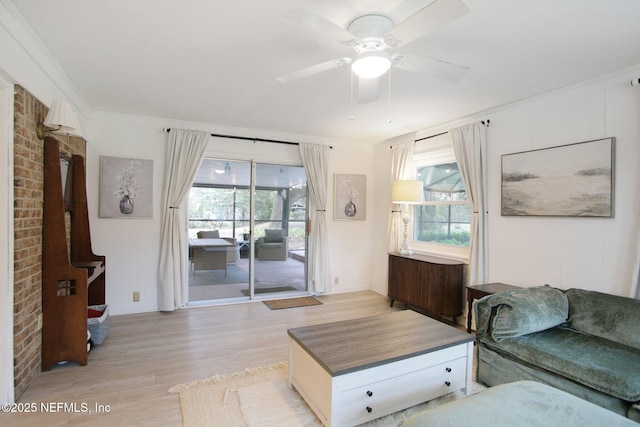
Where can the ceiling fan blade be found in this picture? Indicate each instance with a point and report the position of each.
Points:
(314, 69)
(367, 90)
(430, 18)
(319, 24)
(433, 67)
(407, 8)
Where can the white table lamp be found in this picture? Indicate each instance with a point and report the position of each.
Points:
(407, 192)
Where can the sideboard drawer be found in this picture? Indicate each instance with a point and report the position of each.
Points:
(382, 396)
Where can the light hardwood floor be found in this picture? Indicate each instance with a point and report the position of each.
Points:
(144, 355)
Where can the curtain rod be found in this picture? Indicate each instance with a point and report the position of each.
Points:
(431, 136)
(486, 123)
(246, 138)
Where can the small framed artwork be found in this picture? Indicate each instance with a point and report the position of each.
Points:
(350, 197)
(126, 188)
(574, 180)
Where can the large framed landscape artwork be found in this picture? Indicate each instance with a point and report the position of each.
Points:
(574, 180)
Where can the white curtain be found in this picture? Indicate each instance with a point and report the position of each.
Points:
(470, 148)
(401, 157)
(185, 152)
(315, 161)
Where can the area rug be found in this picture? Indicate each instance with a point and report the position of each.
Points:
(261, 397)
(278, 304)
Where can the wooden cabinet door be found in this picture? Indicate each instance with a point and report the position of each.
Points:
(404, 274)
(431, 284)
(442, 288)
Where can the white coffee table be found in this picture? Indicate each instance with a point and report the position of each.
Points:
(354, 371)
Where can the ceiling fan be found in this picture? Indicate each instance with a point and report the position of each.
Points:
(375, 37)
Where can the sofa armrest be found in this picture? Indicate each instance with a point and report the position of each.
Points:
(612, 317)
(482, 313)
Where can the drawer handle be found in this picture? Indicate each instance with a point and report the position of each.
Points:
(369, 409)
(448, 369)
(369, 393)
(447, 383)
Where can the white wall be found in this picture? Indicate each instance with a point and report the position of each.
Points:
(351, 240)
(6, 242)
(380, 244)
(589, 253)
(132, 245)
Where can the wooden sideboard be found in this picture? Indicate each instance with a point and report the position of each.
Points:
(429, 284)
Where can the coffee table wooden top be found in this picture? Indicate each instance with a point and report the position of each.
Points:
(353, 345)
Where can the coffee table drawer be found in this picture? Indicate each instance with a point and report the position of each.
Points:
(385, 395)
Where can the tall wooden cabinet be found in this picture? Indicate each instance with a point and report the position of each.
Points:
(429, 284)
(73, 277)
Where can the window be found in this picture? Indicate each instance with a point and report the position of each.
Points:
(219, 199)
(218, 208)
(226, 209)
(445, 215)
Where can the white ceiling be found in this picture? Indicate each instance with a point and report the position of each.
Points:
(216, 61)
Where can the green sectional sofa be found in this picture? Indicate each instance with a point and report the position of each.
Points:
(583, 342)
(521, 403)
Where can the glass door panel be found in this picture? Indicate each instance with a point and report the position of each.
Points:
(218, 227)
(279, 230)
(234, 254)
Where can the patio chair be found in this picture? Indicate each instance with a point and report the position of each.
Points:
(273, 246)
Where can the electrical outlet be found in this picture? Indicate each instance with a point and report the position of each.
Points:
(136, 296)
(336, 280)
(39, 321)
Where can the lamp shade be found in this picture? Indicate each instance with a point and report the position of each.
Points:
(77, 131)
(407, 192)
(61, 116)
(371, 65)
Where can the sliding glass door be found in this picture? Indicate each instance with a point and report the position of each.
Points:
(247, 231)
(279, 229)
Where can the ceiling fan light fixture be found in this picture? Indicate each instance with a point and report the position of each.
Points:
(220, 169)
(371, 64)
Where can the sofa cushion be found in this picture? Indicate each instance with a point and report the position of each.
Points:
(607, 366)
(273, 236)
(607, 316)
(524, 311)
(272, 245)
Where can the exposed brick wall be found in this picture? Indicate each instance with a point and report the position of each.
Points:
(28, 202)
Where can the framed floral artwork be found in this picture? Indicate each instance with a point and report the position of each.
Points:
(126, 188)
(350, 197)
